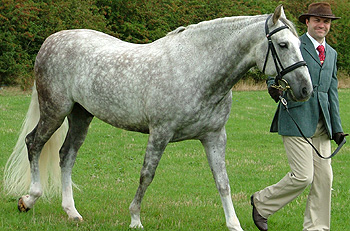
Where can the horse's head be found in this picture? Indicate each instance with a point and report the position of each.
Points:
(279, 55)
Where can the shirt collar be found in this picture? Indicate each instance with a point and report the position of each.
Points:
(316, 44)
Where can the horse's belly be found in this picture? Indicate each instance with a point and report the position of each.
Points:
(136, 126)
(123, 120)
(119, 110)
(211, 119)
(200, 129)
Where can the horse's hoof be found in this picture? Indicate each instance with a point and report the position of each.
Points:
(78, 219)
(21, 206)
(136, 226)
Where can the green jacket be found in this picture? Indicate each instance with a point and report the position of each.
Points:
(323, 102)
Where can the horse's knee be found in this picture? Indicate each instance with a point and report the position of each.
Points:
(222, 182)
(224, 189)
(146, 177)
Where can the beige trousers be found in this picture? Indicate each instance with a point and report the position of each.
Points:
(306, 168)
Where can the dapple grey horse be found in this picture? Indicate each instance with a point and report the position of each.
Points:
(175, 88)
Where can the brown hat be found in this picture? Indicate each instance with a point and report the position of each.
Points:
(320, 9)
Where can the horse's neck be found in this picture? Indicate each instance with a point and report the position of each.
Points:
(227, 46)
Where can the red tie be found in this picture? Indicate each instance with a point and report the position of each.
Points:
(321, 55)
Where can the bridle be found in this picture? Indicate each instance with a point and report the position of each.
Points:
(280, 83)
(283, 85)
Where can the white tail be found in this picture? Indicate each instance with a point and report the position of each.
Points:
(17, 170)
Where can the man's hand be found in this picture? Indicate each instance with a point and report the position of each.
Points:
(275, 93)
(339, 136)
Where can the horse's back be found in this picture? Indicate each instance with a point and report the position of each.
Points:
(82, 37)
(83, 66)
(70, 48)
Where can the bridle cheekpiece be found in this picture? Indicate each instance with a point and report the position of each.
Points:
(280, 83)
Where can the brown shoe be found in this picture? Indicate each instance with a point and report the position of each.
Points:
(259, 220)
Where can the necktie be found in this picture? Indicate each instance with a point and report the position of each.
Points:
(321, 54)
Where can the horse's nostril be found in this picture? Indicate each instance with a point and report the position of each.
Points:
(304, 91)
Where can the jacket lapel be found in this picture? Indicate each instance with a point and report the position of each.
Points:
(308, 46)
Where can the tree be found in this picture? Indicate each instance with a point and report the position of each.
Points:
(24, 25)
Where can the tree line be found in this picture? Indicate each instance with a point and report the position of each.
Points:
(24, 24)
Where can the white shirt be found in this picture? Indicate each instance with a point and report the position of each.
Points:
(316, 44)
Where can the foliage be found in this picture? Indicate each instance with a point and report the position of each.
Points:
(145, 21)
(24, 24)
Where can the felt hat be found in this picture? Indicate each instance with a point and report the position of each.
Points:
(319, 9)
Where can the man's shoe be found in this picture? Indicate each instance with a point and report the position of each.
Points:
(259, 220)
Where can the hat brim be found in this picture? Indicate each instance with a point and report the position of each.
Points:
(303, 17)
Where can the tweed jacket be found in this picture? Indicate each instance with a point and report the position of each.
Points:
(323, 103)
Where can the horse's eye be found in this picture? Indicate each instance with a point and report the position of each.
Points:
(283, 45)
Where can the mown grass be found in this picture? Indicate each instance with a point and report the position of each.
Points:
(183, 194)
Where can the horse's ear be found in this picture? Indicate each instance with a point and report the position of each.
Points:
(279, 12)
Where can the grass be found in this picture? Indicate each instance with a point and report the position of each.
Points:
(183, 194)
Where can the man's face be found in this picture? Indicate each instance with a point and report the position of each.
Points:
(318, 27)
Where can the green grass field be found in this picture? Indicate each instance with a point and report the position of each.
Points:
(183, 194)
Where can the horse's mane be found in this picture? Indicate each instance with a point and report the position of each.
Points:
(229, 20)
(209, 23)
(290, 25)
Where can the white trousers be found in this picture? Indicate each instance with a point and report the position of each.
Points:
(306, 168)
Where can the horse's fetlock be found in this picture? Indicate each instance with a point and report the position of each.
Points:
(37, 193)
(134, 209)
(66, 208)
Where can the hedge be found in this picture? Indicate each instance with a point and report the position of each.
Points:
(24, 24)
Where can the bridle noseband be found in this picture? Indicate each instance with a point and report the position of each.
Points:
(280, 83)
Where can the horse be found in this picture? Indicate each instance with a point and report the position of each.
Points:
(175, 88)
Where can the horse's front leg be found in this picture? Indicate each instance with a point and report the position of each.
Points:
(157, 142)
(215, 144)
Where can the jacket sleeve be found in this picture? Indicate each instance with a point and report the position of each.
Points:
(334, 102)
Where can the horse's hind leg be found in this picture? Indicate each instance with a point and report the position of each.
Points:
(79, 121)
(35, 141)
(215, 144)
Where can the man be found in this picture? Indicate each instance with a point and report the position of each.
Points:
(319, 120)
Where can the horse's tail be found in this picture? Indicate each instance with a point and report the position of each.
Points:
(17, 170)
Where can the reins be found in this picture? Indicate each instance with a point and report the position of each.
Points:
(283, 85)
(284, 103)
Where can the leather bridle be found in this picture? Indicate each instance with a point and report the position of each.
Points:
(280, 83)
